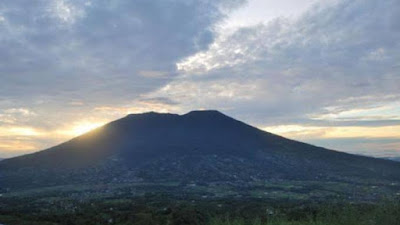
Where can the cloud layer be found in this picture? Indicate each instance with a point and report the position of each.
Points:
(340, 54)
(335, 66)
(99, 51)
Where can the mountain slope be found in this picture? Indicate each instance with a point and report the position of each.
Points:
(201, 146)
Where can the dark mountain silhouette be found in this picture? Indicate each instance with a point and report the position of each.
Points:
(200, 146)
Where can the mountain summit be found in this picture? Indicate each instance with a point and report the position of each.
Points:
(200, 147)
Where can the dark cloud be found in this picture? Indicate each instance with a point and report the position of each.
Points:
(95, 50)
(159, 100)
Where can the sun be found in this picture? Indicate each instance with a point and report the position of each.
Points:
(85, 127)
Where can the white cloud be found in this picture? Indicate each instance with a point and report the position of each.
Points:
(104, 48)
(66, 11)
(262, 11)
(302, 66)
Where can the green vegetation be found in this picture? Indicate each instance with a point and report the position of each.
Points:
(381, 214)
(156, 208)
(274, 203)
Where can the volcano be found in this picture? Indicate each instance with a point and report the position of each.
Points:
(200, 147)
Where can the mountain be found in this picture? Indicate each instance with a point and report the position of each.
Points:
(200, 147)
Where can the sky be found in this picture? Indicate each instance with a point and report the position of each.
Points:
(326, 72)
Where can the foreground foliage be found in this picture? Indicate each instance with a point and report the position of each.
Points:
(162, 210)
(382, 214)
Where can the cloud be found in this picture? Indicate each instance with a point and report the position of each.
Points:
(336, 57)
(304, 132)
(99, 50)
(66, 12)
(376, 147)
